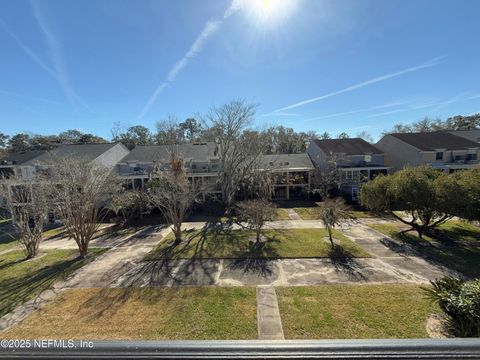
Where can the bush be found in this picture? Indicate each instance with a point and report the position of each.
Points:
(460, 301)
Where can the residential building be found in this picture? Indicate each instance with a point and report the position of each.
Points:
(442, 150)
(30, 162)
(201, 163)
(473, 134)
(357, 161)
(292, 175)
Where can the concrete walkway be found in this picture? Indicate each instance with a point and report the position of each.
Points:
(268, 314)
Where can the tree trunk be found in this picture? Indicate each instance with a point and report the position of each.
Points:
(31, 248)
(83, 248)
(259, 232)
(177, 232)
(329, 228)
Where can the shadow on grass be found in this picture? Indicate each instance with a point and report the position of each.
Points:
(456, 248)
(108, 301)
(17, 290)
(256, 258)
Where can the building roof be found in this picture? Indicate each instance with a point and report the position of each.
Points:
(436, 140)
(286, 161)
(355, 146)
(88, 151)
(151, 153)
(21, 157)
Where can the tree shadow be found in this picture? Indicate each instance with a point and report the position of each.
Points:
(17, 290)
(257, 258)
(455, 248)
(344, 261)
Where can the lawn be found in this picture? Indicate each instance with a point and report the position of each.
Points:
(455, 244)
(228, 244)
(145, 314)
(313, 213)
(308, 213)
(354, 311)
(21, 280)
(281, 214)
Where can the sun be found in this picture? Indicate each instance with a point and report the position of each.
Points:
(269, 11)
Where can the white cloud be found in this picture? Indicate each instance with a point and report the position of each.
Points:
(354, 111)
(432, 62)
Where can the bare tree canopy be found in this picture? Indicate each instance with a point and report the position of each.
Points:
(170, 191)
(26, 201)
(81, 189)
(256, 213)
(238, 149)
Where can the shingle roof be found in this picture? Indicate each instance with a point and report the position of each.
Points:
(89, 151)
(355, 146)
(18, 158)
(150, 153)
(436, 140)
(286, 161)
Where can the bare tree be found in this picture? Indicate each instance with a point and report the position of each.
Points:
(327, 178)
(332, 213)
(81, 191)
(26, 201)
(365, 135)
(238, 149)
(170, 190)
(256, 213)
(169, 131)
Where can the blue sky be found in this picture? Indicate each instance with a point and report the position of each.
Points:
(310, 64)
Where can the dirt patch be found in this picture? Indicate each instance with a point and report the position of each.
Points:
(436, 327)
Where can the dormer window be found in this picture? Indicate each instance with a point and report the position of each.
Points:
(439, 155)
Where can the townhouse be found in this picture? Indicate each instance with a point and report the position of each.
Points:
(201, 162)
(447, 151)
(29, 163)
(357, 161)
(292, 175)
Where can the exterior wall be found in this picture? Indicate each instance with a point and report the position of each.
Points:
(399, 154)
(361, 160)
(113, 155)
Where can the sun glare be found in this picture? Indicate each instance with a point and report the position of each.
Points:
(269, 11)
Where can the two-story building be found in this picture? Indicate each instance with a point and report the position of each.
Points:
(357, 161)
(292, 174)
(200, 161)
(28, 163)
(442, 150)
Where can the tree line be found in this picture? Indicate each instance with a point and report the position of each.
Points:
(278, 139)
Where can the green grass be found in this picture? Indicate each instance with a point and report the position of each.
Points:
(206, 313)
(22, 280)
(227, 244)
(308, 213)
(455, 244)
(354, 311)
(281, 215)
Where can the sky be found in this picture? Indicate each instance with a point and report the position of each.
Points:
(323, 65)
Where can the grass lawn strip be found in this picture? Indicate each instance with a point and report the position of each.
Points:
(21, 280)
(354, 311)
(455, 244)
(234, 244)
(206, 313)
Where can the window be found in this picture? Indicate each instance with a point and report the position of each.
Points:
(471, 157)
(439, 155)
